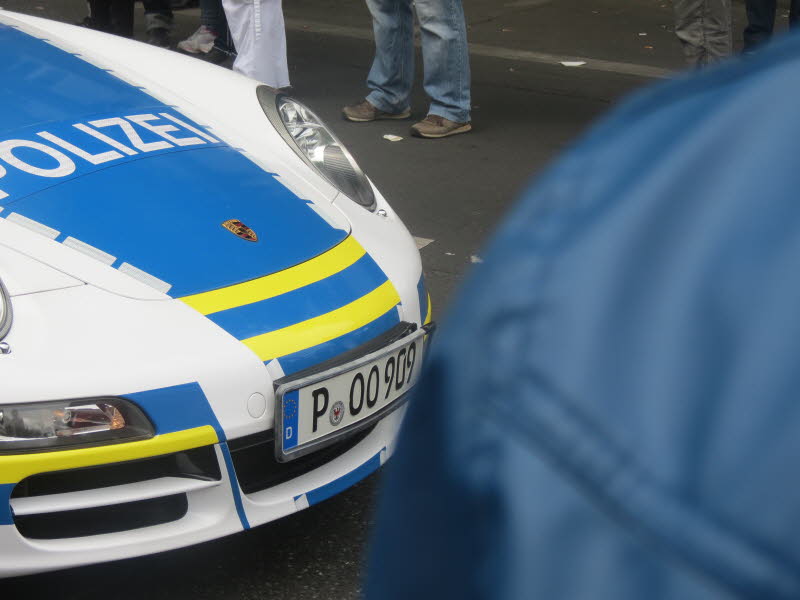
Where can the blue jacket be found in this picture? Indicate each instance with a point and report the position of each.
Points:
(612, 408)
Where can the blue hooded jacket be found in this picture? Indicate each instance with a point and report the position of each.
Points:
(612, 408)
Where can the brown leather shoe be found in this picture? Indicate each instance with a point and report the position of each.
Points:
(434, 126)
(364, 111)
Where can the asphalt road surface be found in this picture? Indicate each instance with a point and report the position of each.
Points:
(451, 193)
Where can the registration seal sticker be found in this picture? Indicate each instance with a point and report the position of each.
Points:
(337, 413)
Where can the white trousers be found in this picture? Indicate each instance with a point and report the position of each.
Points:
(259, 35)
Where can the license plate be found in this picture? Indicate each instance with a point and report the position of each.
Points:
(314, 411)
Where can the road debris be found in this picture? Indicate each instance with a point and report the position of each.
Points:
(392, 138)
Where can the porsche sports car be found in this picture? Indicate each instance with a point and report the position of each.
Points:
(208, 315)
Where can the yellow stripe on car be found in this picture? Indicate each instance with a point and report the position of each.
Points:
(429, 313)
(324, 328)
(16, 467)
(270, 286)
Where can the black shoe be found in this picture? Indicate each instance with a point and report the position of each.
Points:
(216, 56)
(158, 37)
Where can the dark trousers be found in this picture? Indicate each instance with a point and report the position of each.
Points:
(161, 7)
(112, 16)
(116, 16)
(761, 20)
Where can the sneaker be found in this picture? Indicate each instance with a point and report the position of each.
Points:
(434, 126)
(364, 111)
(201, 41)
(158, 37)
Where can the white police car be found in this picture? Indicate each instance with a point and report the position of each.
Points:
(208, 316)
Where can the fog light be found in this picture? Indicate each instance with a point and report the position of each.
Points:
(52, 425)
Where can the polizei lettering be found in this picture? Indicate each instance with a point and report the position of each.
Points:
(32, 159)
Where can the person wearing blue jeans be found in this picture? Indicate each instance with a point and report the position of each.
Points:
(212, 40)
(445, 61)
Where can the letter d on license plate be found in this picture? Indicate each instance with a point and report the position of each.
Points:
(315, 411)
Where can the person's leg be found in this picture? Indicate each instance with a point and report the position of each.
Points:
(100, 15)
(689, 30)
(218, 23)
(158, 22)
(122, 17)
(269, 64)
(794, 13)
(212, 15)
(240, 17)
(717, 30)
(392, 72)
(446, 58)
(760, 22)
(212, 36)
(254, 27)
(157, 14)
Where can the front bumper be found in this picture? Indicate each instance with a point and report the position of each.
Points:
(42, 531)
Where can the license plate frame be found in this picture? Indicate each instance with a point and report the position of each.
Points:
(290, 391)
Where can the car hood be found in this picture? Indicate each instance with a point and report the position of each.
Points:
(98, 165)
(166, 216)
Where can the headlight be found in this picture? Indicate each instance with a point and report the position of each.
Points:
(5, 311)
(316, 145)
(53, 425)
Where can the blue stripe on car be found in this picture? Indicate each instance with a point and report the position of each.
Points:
(237, 492)
(17, 183)
(181, 407)
(292, 363)
(44, 84)
(339, 485)
(422, 292)
(318, 298)
(177, 408)
(6, 517)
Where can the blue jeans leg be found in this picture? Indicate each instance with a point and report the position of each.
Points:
(212, 15)
(446, 58)
(392, 72)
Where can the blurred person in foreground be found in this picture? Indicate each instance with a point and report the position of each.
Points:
(761, 21)
(611, 409)
(704, 30)
(446, 71)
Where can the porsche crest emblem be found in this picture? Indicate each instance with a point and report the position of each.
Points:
(238, 228)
